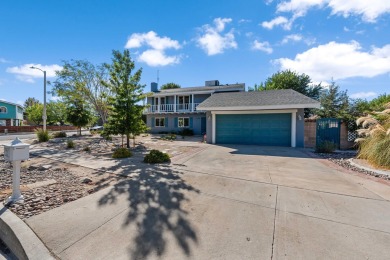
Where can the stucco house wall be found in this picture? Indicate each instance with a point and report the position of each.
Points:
(196, 120)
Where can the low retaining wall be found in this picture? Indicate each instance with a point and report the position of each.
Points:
(21, 129)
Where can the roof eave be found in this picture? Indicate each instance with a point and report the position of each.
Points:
(238, 108)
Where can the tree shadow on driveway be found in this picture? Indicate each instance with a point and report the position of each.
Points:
(155, 195)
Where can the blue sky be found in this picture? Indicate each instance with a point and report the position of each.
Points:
(189, 42)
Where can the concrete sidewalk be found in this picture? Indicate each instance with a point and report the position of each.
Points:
(224, 203)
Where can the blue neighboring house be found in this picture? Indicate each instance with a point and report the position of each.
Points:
(11, 114)
(172, 110)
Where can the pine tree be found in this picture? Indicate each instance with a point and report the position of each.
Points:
(126, 113)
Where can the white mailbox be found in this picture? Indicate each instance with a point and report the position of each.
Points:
(16, 151)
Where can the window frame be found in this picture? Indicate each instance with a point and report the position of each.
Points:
(183, 118)
(6, 110)
(159, 119)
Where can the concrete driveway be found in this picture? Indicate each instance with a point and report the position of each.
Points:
(226, 202)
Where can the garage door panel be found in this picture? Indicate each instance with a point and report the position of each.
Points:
(261, 129)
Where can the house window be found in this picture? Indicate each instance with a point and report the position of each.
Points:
(184, 121)
(160, 122)
(3, 110)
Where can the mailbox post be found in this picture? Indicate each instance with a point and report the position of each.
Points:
(15, 152)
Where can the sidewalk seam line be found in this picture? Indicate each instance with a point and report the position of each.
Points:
(273, 233)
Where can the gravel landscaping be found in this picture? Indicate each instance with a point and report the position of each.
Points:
(46, 184)
(342, 159)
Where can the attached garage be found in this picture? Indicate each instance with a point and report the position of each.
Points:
(260, 129)
(268, 118)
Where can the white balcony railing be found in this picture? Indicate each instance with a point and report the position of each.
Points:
(170, 108)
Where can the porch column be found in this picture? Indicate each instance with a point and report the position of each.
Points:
(293, 128)
(213, 126)
(174, 103)
(192, 103)
(159, 104)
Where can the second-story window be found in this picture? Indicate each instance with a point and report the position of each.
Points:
(160, 122)
(3, 110)
(184, 122)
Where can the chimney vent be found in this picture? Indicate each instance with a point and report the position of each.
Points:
(212, 83)
(154, 87)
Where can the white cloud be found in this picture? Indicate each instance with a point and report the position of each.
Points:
(155, 55)
(339, 61)
(244, 21)
(368, 10)
(26, 74)
(292, 37)
(364, 94)
(157, 58)
(278, 21)
(213, 41)
(152, 40)
(262, 46)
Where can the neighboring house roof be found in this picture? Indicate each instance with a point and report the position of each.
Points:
(268, 99)
(208, 89)
(10, 103)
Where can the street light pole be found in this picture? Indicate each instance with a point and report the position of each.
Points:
(44, 117)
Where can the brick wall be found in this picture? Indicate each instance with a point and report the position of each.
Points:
(310, 136)
(19, 129)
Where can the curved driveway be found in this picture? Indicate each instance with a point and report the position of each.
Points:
(227, 202)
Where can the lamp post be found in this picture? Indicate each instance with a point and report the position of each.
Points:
(44, 117)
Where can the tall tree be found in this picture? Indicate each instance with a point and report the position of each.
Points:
(80, 79)
(78, 113)
(30, 101)
(170, 85)
(334, 103)
(56, 112)
(126, 114)
(288, 79)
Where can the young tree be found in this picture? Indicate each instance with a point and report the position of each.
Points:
(126, 114)
(34, 113)
(80, 79)
(334, 103)
(78, 113)
(170, 85)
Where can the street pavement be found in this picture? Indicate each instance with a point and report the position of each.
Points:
(225, 202)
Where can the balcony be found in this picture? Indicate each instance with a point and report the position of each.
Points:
(172, 108)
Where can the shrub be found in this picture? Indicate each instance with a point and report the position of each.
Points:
(70, 144)
(186, 132)
(86, 149)
(121, 153)
(61, 134)
(43, 136)
(374, 144)
(169, 137)
(325, 147)
(155, 156)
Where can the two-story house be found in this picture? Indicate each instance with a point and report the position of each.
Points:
(172, 110)
(10, 114)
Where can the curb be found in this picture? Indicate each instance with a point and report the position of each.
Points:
(384, 173)
(20, 239)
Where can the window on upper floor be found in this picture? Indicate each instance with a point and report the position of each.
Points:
(3, 110)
